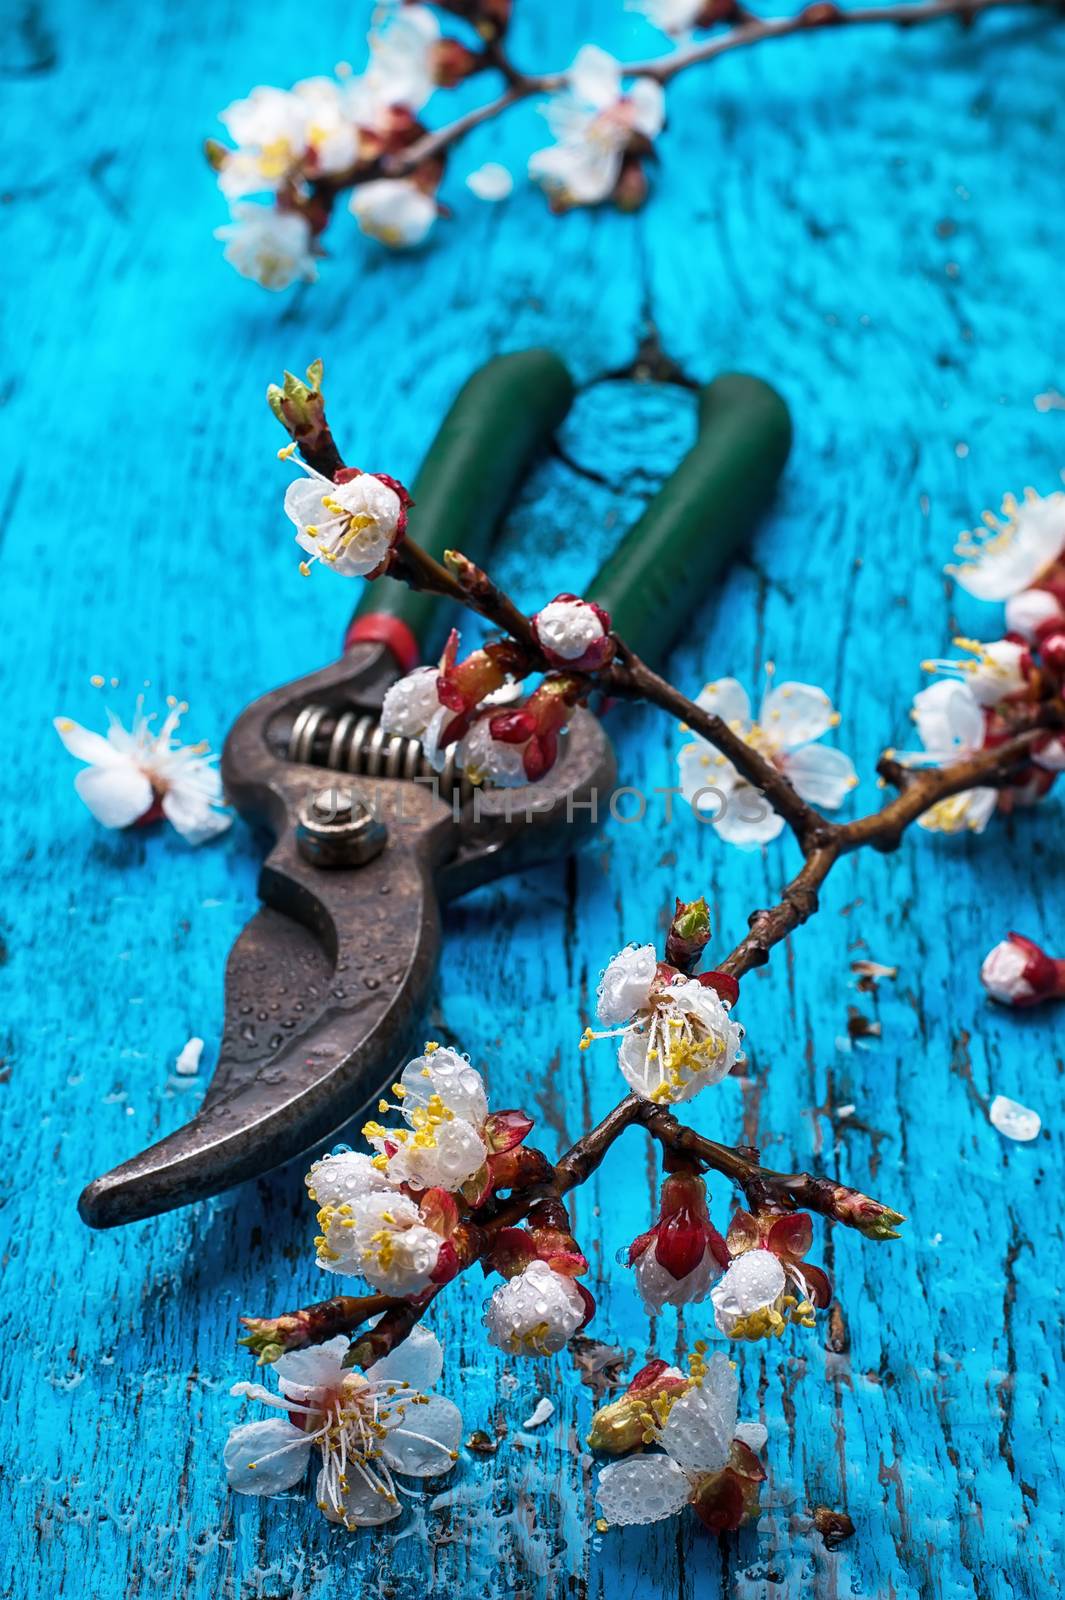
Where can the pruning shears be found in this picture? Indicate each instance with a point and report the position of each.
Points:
(327, 984)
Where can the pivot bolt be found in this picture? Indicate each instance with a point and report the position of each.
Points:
(335, 829)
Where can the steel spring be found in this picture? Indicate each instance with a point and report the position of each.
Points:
(353, 741)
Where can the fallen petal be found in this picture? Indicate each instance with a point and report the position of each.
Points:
(1013, 1120)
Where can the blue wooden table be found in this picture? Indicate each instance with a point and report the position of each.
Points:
(874, 222)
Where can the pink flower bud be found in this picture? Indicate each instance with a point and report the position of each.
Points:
(1019, 973)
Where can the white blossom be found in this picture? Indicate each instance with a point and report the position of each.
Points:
(269, 128)
(685, 1043)
(412, 709)
(380, 1237)
(535, 1312)
(680, 1038)
(991, 672)
(132, 773)
(1013, 551)
(411, 703)
(696, 1438)
(395, 211)
(443, 1075)
(489, 760)
(366, 1426)
(349, 527)
(593, 119)
(343, 1177)
(748, 1300)
(625, 986)
(792, 718)
(951, 724)
(444, 1106)
(400, 71)
(273, 247)
(443, 1153)
(331, 138)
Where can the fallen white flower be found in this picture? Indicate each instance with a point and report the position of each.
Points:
(367, 1426)
(137, 775)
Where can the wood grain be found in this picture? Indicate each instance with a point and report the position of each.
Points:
(873, 223)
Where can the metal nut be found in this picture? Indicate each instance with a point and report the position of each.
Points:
(335, 829)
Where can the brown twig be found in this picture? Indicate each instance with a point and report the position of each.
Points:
(822, 843)
(625, 678)
(762, 1187)
(813, 18)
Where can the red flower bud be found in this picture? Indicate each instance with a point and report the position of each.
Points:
(541, 753)
(503, 1130)
(683, 1233)
(512, 727)
(439, 1211)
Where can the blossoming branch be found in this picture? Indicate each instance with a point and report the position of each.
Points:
(453, 1182)
(297, 152)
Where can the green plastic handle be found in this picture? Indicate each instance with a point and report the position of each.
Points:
(700, 518)
(497, 426)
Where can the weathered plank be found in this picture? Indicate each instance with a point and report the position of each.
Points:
(872, 222)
